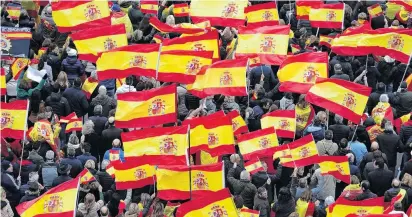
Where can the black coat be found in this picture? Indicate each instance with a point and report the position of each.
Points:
(365, 195)
(407, 168)
(390, 144)
(28, 197)
(380, 181)
(406, 132)
(373, 75)
(108, 135)
(59, 104)
(60, 179)
(77, 100)
(9, 184)
(105, 180)
(76, 164)
(340, 131)
(260, 178)
(284, 209)
(99, 123)
(373, 100)
(402, 102)
(95, 142)
(368, 157)
(53, 60)
(262, 205)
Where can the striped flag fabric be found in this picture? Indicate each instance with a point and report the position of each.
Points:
(244, 212)
(405, 3)
(284, 122)
(374, 131)
(341, 97)
(85, 176)
(344, 207)
(40, 53)
(18, 65)
(327, 16)
(188, 28)
(89, 42)
(303, 8)
(298, 73)
(238, 124)
(43, 131)
(111, 170)
(165, 145)
(3, 89)
(303, 152)
(158, 38)
(408, 81)
(14, 11)
(13, 118)
(73, 123)
(138, 59)
(398, 198)
(326, 40)
(262, 14)
(67, 118)
(219, 13)
(15, 41)
(402, 15)
(347, 43)
(149, 6)
(304, 208)
(257, 143)
(196, 88)
(304, 116)
(71, 16)
(400, 121)
(270, 43)
(281, 152)
(181, 10)
(134, 174)
(89, 86)
(382, 110)
(375, 10)
(32, 8)
(146, 108)
(254, 166)
(337, 166)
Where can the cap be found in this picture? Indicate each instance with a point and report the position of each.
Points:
(72, 52)
(50, 155)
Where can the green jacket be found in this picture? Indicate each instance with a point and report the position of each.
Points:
(25, 94)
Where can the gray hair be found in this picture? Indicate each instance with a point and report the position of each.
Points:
(234, 157)
(98, 110)
(338, 119)
(73, 139)
(102, 90)
(104, 164)
(93, 74)
(384, 98)
(71, 151)
(88, 127)
(244, 175)
(388, 126)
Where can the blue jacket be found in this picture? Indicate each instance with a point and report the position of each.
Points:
(85, 157)
(77, 100)
(318, 132)
(359, 149)
(76, 164)
(73, 67)
(110, 84)
(269, 80)
(9, 184)
(107, 154)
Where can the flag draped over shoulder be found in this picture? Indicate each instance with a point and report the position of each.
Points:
(219, 13)
(90, 42)
(257, 143)
(344, 207)
(238, 124)
(13, 118)
(89, 86)
(254, 166)
(298, 73)
(15, 41)
(138, 59)
(344, 98)
(270, 43)
(327, 15)
(59, 201)
(303, 152)
(304, 208)
(146, 108)
(262, 14)
(71, 16)
(17, 67)
(166, 145)
(187, 28)
(382, 110)
(42, 130)
(337, 166)
(304, 116)
(303, 8)
(284, 122)
(134, 173)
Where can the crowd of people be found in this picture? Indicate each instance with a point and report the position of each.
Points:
(30, 168)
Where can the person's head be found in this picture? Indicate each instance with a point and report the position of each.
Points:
(62, 80)
(306, 195)
(379, 163)
(88, 127)
(302, 102)
(48, 10)
(133, 209)
(71, 52)
(48, 112)
(245, 175)
(6, 166)
(26, 154)
(395, 23)
(111, 121)
(384, 98)
(329, 135)
(104, 212)
(86, 147)
(398, 206)
(90, 164)
(377, 154)
(3, 194)
(354, 179)
(262, 193)
(284, 194)
(388, 126)
(380, 86)
(337, 68)
(265, 104)
(33, 177)
(374, 146)
(365, 185)
(235, 158)
(73, 139)
(36, 145)
(64, 169)
(102, 90)
(238, 201)
(145, 199)
(303, 183)
(50, 155)
(77, 82)
(104, 164)
(89, 200)
(71, 152)
(362, 16)
(317, 121)
(170, 20)
(343, 143)
(396, 183)
(322, 116)
(116, 143)
(98, 110)
(25, 84)
(338, 119)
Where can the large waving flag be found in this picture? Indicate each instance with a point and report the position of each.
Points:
(326, 40)
(298, 73)
(344, 98)
(262, 14)
(346, 44)
(281, 152)
(284, 122)
(257, 143)
(238, 124)
(71, 16)
(405, 3)
(138, 59)
(344, 207)
(17, 67)
(219, 13)
(219, 203)
(254, 166)
(182, 66)
(337, 166)
(186, 28)
(134, 174)
(13, 118)
(303, 152)
(146, 108)
(90, 42)
(270, 43)
(59, 201)
(167, 145)
(327, 15)
(303, 8)
(89, 86)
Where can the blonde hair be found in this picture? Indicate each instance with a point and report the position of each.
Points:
(90, 164)
(62, 79)
(407, 180)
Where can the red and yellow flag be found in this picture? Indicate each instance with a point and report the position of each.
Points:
(134, 173)
(402, 15)
(3, 88)
(219, 203)
(73, 123)
(18, 66)
(281, 152)
(89, 86)
(401, 121)
(90, 42)
(405, 3)
(167, 145)
(303, 8)
(13, 118)
(71, 16)
(181, 10)
(42, 130)
(182, 66)
(59, 201)
(326, 40)
(111, 170)
(374, 131)
(254, 166)
(158, 38)
(85, 176)
(347, 43)
(238, 124)
(344, 98)
(67, 118)
(344, 207)
(40, 53)
(262, 14)
(304, 208)
(398, 198)
(303, 152)
(298, 73)
(270, 43)
(14, 11)
(138, 59)
(375, 11)
(248, 213)
(184, 28)
(219, 13)
(337, 166)
(327, 16)
(382, 110)
(146, 108)
(149, 7)
(257, 143)
(304, 116)
(284, 122)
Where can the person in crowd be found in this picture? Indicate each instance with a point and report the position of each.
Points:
(369, 167)
(357, 147)
(77, 98)
(374, 97)
(406, 184)
(33, 177)
(285, 204)
(32, 192)
(396, 190)
(316, 129)
(110, 134)
(6, 209)
(76, 165)
(390, 144)
(380, 179)
(105, 179)
(26, 166)
(59, 104)
(72, 66)
(64, 174)
(261, 202)
(126, 87)
(48, 171)
(25, 86)
(343, 149)
(85, 147)
(34, 154)
(402, 101)
(107, 103)
(326, 146)
(90, 206)
(340, 131)
(115, 153)
(398, 209)
(321, 209)
(366, 192)
(9, 184)
(242, 187)
(98, 119)
(325, 185)
(339, 73)
(73, 143)
(260, 179)
(302, 203)
(370, 155)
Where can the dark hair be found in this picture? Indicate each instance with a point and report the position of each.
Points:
(343, 143)
(284, 195)
(288, 95)
(365, 185)
(380, 86)
(316, 121)
(25, 154)
(129, 80)
(329, 135)
(377, 154)
(51, 47)
(36, 145)
(86, 147)
(40, 66)
(380, 163)
(384, 121)
(77, 82)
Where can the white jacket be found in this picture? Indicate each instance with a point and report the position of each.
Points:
(125, 89)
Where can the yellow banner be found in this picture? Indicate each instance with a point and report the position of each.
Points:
(263, 44)
(83, 13)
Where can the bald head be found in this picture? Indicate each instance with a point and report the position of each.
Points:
(244, 175)
(374, 146)
(116, 143)
(104, 211)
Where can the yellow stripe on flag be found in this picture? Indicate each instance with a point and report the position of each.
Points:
(105, 62)
(218, 9)
(179, 64)
(211, 209)
(172, 180)
(259, 16)
(277, 122)
(198, 135)
(300, 71)
(214, 75)
(206, 45)
(321, 14)
(255, 44)
(132, 174)
(97, 44)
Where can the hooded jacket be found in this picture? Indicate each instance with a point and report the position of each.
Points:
(73, 67)
(106, 102)
(59, 104)
(287, 104)
(77, 100)
(244, 188)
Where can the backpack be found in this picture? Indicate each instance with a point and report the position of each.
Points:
(49, 173)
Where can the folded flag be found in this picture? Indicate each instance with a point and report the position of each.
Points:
(303, 8)
(270, 43)
(303, 152)
(347, 43)
(182, 66)
(17, 67)
(13, 118)
(89, 42)
(254, 166)
(187, 28)
(304, 116)
(238, 124)
(15, 41)
(3, 89)
(326, 40)
(382, 110)
(257, 143)
(134, 173)
(327, 16)
(71, 16)
(284, 122)
(219, 203)
(149, 6)
(262, 14)
(337, 166)
(220, 13)
(344, 98)
(375, 11)
(146, 108)
(298, 73)
(181, 10)
(89, 86)
(165, 145)
(138, 59)
(58, 201)
(344, 207)
(248, 213)
(85, 176)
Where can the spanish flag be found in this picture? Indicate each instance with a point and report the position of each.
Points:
(13, 118)
(89, 86)
(188, 28)
(344, 207)
(170, 208)
(262, 14)
(3, 89)
(181, 10)
(85, 176)
(398, 198)
(344, 98)
(90, 42)
(40, 53)
(182, 66)
(326, 40)
(284, 122)
(375, 11)
(67, 118)
(303, 152)
(138, 59)
(298, 73)
(337, 166)
(31, 7)
(71, 16)
(254, 166)
(166, 145)
(327, 16)
(405, 3)
(304, 116)
(120, 82)
(196, 88)
(281, 152)
(270, 43)
(59, 201)
(110, 169)
(18, 65)
(205, 158)
(149, 7)
(304, 208)
(257, 143)
(303, 8)
(374, 131)
(347, 43)
(14, 11)
(74, 124)
(219, 13)
(238, 124)
(219, 203)
(402, 15)
(158, 38)
(382, 110)
(146, 108)
(204, 42)
(134, 174)
(400, 121)
(248, 213)
(42, 130)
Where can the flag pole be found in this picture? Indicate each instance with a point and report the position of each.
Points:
(317, 32)
(407, 66)
(24, 137)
